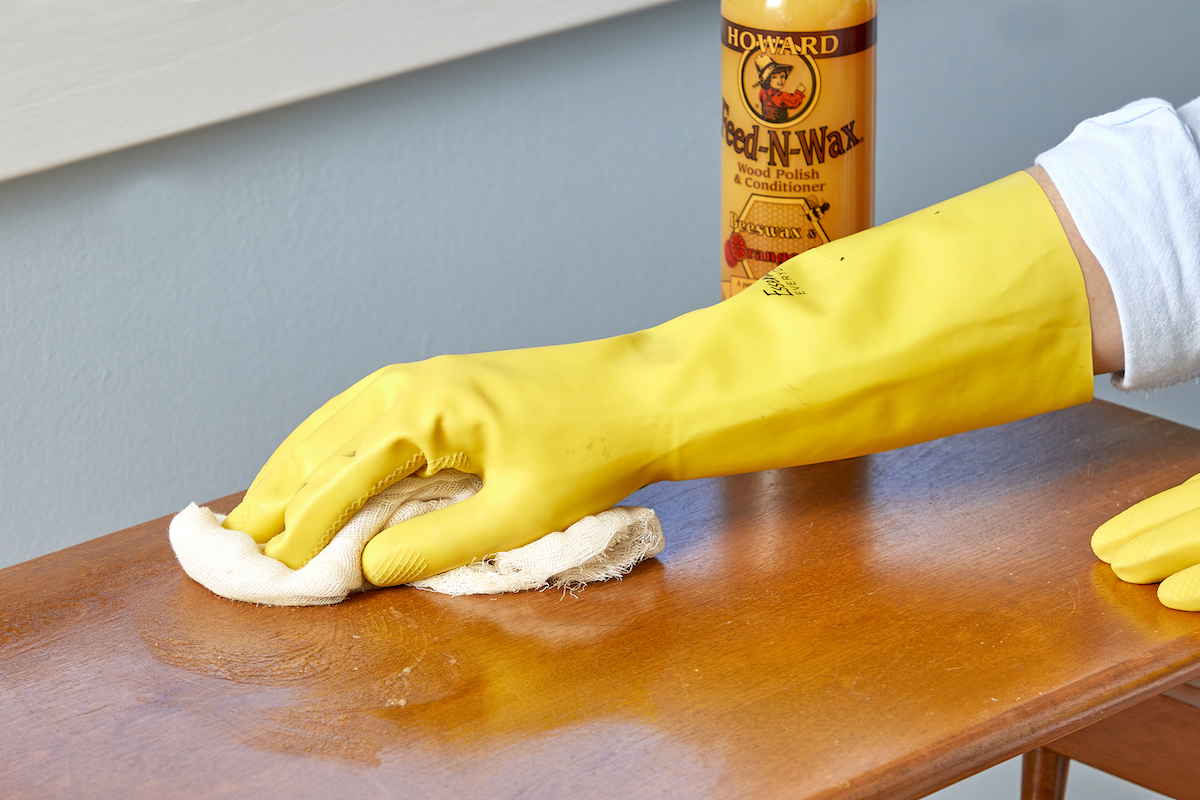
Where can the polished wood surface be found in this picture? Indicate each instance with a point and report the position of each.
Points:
(879, 627)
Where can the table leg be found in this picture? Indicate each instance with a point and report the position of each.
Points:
(1044, 775)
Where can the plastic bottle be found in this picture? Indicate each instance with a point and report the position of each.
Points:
(798, 128)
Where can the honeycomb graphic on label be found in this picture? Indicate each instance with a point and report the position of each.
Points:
(770, 230)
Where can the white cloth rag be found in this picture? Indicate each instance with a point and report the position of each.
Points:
(231, 564)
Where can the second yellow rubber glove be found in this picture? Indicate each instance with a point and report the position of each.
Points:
(967, 314)
(1155, 540)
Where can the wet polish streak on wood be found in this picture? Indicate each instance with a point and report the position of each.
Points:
(877, 627)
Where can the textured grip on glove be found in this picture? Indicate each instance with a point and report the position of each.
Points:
(1158, 539)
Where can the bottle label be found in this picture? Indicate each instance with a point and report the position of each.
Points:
(798, 127)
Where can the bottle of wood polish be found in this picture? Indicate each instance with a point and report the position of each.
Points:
(798, 127)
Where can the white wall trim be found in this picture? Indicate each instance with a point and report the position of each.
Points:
(84, 77)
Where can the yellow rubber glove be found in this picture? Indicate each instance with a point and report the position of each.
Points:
(1158, 539)
(967, 314)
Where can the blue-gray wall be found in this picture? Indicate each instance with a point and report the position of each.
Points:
(170, 312)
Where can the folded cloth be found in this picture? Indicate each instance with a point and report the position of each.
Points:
(231, 564)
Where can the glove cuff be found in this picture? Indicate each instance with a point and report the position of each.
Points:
(969, 313)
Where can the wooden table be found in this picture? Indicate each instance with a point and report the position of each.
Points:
(880, 627)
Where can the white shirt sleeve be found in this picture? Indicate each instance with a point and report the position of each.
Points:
(1131, 180)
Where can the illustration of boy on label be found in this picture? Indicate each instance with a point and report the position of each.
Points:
(772, 76)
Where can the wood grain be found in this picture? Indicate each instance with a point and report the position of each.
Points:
(878, 627)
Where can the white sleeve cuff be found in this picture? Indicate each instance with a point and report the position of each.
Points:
(1131, 181)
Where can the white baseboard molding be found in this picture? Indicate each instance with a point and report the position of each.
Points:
(84, 77)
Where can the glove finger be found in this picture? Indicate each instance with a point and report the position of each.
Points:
(326, 432)
(472, 530)
(339, 487)
(1137, 519)
(1181, 591)
(1162, 551)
